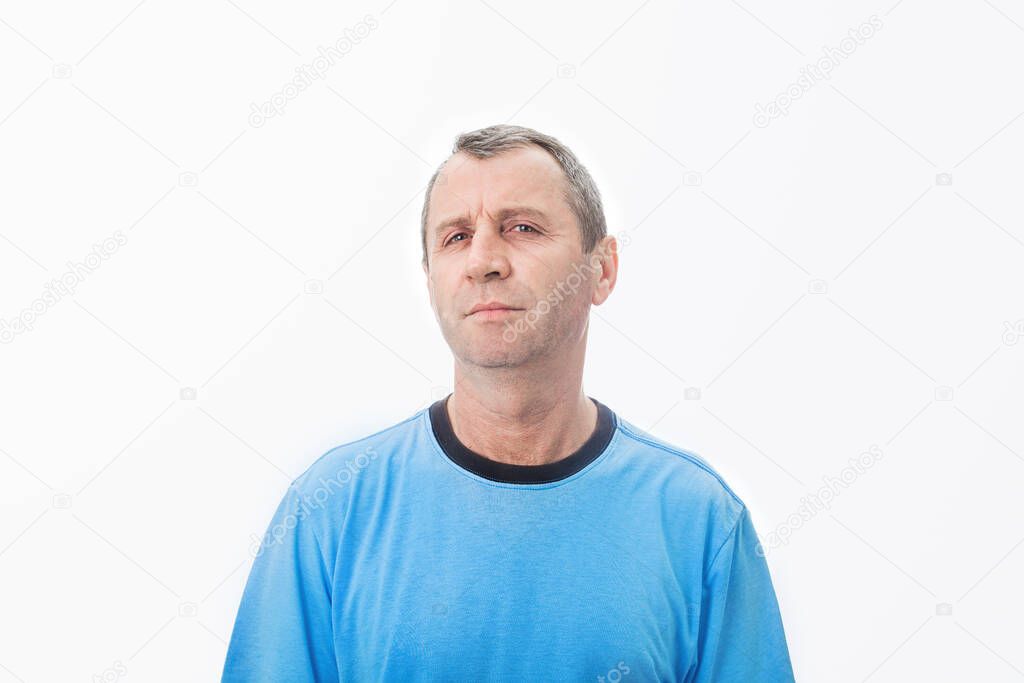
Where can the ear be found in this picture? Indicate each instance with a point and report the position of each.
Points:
(605, 260)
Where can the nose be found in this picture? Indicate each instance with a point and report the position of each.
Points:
(487, 258)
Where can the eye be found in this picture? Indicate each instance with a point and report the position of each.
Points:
(463, 234)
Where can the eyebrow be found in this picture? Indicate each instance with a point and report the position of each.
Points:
(509, 211)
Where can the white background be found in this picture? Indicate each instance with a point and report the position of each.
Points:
(811, 279)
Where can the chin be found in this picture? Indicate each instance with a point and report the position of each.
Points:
(495, 358)
(491, 354)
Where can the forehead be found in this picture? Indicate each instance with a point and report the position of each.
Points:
(526, 176)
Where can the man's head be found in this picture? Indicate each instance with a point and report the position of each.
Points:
(512, 217)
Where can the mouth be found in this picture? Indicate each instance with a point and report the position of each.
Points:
(490, 310)
(492, 313)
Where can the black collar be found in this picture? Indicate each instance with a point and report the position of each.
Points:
(508, 473)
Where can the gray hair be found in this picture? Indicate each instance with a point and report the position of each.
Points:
(580, 192)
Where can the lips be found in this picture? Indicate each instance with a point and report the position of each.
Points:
(492, 306)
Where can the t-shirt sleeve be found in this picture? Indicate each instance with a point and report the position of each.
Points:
(741, 637)
(283, 628)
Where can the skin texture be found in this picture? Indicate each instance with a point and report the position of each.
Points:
(518, 395)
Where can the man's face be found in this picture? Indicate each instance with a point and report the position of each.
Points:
(500, 230)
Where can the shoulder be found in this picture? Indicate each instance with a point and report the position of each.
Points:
(685, 480)
(342, 465)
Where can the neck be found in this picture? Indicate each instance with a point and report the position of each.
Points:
(522, 418)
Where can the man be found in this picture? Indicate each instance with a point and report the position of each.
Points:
(517, 530)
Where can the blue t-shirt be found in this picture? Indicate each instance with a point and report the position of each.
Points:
(405, 556)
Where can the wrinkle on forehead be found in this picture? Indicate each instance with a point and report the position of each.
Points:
(521, 177)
